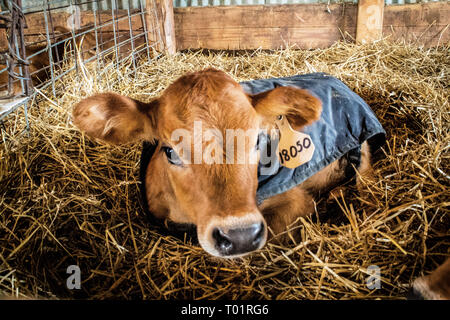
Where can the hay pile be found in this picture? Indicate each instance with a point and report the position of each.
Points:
(65, 199)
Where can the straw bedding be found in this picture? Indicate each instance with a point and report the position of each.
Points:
(66, 199)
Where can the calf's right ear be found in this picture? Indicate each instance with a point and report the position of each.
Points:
(116, 119)
(299, 106)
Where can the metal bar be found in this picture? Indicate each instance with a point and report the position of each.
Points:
(13, 54)
(114, 31)
(49, 47)
(137, 51)
(138, 67)
(110, 22)
(54, 8)
(97, 49)
(12, 48)
(74, 43)
(40, 6)
(107, 23)
(132, 41)
(25, 111)
(101, 31)
(53, 30)
(145, 27)
(18, 53)
(46, 85)
(117, 14)
(110, 50)
(26, 84)
(142, 65)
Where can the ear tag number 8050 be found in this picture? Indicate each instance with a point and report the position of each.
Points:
(294, 148)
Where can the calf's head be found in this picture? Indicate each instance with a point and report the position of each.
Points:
(204, 169)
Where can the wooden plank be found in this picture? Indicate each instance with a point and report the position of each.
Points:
(304, 25)
(160, 17)
(152, 23)
(426, 24)
(168, 23)
(264, 38)
(35, 30)
(266, 27)
(369, 25)
(36, 21)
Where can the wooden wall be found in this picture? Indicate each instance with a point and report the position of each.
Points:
(305, 25)
(266, 26)
(35, 29)
(426, 23)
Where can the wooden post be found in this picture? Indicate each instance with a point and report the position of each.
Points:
(161, 25)
(369, 25)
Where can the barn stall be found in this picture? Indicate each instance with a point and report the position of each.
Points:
(66, 199)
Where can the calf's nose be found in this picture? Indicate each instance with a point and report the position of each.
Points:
(229, 242)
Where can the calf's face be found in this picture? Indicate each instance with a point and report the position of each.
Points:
(204, 170)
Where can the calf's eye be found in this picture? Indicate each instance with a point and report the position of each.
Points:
(172, 156)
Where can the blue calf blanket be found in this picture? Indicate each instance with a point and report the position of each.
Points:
(345, 123)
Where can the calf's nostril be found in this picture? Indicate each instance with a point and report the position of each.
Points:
(238, 240)
(223, 242)
(259, 234)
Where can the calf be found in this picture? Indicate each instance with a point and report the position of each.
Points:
(230, 191)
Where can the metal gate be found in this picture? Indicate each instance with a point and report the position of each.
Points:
(43, 40)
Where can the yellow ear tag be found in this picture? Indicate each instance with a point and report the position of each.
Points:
(294, 148)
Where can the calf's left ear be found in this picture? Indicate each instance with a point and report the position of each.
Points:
(299, 106)
(116, 119)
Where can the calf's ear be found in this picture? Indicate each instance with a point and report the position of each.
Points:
(116, 119)
(299, 106)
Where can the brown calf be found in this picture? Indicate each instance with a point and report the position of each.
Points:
(219, 199)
